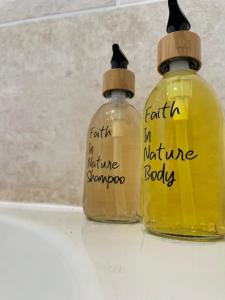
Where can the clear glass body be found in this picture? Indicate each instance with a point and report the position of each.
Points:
(112, 173)
(183, 190)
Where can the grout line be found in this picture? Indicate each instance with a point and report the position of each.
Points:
(140, 3)
(58, 16)
(38, 206)
(76, 13)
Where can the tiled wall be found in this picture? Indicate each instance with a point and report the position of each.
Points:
(52, 56)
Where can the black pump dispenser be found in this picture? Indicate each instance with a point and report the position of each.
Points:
(177, 20)
(180, 43)
(118, 78)
(119, 60)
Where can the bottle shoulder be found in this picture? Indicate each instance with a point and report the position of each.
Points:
(182, 84)
(187, 92)
(115, 110)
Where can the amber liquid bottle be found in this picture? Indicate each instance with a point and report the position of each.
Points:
(112, 188)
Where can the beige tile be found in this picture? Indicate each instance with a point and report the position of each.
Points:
(122, 2)
(25, 9)
(50, 86)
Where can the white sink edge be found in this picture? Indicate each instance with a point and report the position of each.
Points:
(58, 261)
(40, 206)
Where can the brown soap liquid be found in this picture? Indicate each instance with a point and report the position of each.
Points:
(112, 173)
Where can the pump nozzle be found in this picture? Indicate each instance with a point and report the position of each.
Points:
(177, 20)
(118, 78)
(118, 60)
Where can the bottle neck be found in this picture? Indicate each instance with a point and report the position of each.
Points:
(118, 95)
(179, 65)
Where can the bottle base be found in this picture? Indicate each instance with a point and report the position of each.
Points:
(188, 236)
(114, 220)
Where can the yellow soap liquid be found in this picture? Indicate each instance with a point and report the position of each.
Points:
(183, 188)
(112, 174)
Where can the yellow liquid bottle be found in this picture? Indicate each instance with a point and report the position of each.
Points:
(183, 158)
(183, 167)
(112, 173)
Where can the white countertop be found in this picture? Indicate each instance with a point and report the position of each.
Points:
(129, 263)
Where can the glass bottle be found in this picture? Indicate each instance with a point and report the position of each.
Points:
(112, 173)
(183, 190)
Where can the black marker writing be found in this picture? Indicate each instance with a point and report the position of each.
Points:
(90, 149)
(162, 153)
(163, 112)
(101, 164)
(161, 175)
(96, 163)
(105, 179)
(101, 133)
(147, 135)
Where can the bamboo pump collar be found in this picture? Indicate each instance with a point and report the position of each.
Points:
(119, 78)
(179, 43)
